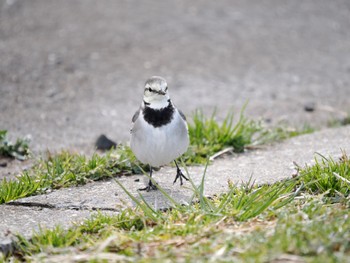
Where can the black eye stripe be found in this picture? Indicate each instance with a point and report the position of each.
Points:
(156, 91)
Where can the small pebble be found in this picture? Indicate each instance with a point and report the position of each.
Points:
(309, 107)
(103, 143)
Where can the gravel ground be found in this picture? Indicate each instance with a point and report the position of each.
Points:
(71, 70)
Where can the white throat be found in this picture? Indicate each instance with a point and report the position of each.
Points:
(157, 104)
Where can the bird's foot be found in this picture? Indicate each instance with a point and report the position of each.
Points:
(180, 175)
(149, 187)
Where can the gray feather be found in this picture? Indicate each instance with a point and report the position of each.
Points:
(136, 115)
(182, 115)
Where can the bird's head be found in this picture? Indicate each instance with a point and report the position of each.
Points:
(156, 92)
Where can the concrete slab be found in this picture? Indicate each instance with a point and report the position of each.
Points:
(273, 163)
(28, 219)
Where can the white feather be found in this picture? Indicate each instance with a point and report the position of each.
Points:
(161, 145)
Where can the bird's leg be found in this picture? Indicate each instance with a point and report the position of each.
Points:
(150, 185)
(179, 174)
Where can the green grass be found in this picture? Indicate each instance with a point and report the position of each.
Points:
(239, 205)
(328, 177)
(18, 150)
(297, 233)
(66, 169)
(289, 220)
(208, 136)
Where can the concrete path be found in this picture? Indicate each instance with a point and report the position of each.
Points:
(66, 206)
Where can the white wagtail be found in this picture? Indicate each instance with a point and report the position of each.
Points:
(159, 133)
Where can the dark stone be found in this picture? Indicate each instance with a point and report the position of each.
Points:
(309, 107)
(103, 143)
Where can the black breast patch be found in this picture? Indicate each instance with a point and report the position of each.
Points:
(158, 117)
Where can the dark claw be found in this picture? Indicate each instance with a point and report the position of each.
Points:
(149, 187)
(180, 175)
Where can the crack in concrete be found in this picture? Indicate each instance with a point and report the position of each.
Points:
(61, 207)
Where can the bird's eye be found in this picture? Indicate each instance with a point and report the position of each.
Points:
(149, 89)
(166, 88)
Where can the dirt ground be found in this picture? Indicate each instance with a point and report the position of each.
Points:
(71, 70)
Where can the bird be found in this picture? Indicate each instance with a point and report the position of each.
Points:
(159, 132)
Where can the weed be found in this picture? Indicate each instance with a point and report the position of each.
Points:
(328, 177)
(247, 224)
(207, 136)
(67, 169)
(18, 150)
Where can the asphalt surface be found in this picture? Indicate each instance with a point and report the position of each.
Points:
(72, 70)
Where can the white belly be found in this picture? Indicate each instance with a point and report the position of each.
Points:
(159, 146)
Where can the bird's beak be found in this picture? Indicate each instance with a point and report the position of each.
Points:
(161, 92)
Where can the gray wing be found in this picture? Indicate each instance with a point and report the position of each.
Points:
(134, 118)
(182, 115)
(136, 115)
